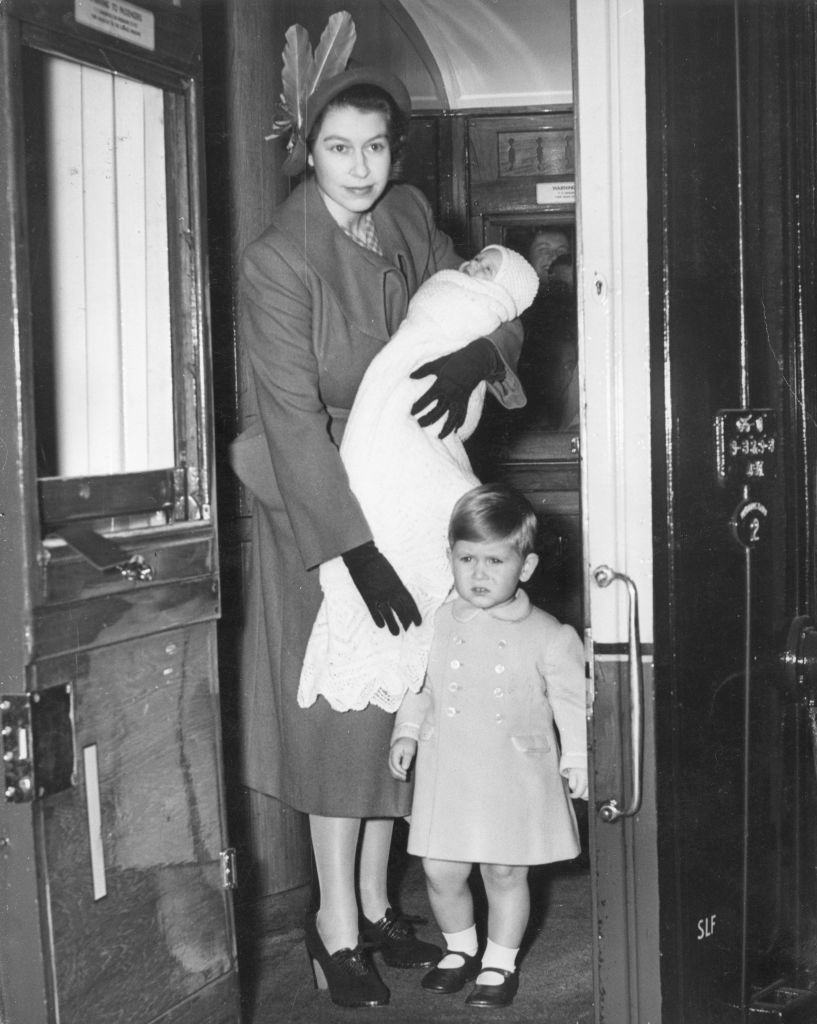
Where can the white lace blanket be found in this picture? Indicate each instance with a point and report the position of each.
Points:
(407, 481)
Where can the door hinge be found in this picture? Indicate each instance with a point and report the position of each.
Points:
(37, 741)
(229, 878)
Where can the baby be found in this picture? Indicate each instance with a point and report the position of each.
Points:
(407, 478)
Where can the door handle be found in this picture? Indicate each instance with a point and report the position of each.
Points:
(610, 811)
(799, 660)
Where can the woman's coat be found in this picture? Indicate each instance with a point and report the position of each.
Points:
(316, 309)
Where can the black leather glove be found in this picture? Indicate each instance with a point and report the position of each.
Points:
(457, 376)
(381, 588)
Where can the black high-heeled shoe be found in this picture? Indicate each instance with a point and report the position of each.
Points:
(348, 974)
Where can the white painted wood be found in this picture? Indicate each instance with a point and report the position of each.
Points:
(110, 273)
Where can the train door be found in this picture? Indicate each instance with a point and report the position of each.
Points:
(698, 478)
(731, 114)
(114, 869)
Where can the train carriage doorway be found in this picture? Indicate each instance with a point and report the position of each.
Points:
(115, 869)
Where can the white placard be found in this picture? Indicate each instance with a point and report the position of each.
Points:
(118, 18)
(94, 809)
(548, 192)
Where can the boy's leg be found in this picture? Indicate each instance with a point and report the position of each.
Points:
(449, 893)
(506, 887)
(508, 893)
(453, 906)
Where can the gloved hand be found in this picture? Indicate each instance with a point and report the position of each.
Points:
(381, 588)
(457, 376)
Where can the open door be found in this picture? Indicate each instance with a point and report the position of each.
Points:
(115, 872)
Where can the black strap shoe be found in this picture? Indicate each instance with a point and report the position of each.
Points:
(394, 938)
(452, 979)
(495, 996)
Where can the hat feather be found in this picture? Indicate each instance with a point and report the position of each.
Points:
(298, 73)
(334, 48)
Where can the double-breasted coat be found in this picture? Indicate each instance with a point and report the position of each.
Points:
(316, 307)
(489, 785)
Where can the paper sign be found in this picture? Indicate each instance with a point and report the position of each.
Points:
(118, 18)
(555, 192)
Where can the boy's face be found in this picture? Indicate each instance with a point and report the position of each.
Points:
(484, 265)
(487, 572)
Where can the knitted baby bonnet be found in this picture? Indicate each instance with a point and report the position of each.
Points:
(517, 277)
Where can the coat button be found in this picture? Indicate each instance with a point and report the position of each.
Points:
(457, 640)
(456, 663)
(502, 643)
(451, 712)
(499, 669)
(499, 692)
(499, 719)
(453, 687)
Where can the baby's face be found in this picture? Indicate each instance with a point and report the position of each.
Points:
(485, 265)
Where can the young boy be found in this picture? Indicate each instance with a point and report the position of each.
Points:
(492, 786)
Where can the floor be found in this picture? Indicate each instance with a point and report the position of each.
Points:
(555, 972)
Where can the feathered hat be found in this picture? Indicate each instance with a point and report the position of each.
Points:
(309, 81)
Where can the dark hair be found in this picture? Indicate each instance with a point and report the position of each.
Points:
(494, 512)
(369, 98)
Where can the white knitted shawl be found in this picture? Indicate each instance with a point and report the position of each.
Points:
(407, 481)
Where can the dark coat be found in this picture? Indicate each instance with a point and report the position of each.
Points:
(316, 308)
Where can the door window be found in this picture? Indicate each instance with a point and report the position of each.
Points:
(113, 305)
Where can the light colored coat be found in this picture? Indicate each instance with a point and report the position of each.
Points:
(489, 784)
(316, 309)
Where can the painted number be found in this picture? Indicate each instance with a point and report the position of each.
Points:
(706, 927)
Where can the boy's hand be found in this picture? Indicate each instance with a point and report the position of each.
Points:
(577, 783)
(401, 755)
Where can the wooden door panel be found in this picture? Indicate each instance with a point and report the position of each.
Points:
(148, 926)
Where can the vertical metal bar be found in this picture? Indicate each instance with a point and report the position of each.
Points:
(94, 810)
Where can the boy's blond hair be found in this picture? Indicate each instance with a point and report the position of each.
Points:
(494, 512)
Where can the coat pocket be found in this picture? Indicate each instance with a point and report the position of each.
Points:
(251, 462)
(533, 744)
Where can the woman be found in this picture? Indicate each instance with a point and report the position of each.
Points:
(323, 288)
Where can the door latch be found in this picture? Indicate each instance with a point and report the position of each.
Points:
(229, 878)
(37, 741)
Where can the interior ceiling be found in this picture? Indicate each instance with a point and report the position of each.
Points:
(495, 53)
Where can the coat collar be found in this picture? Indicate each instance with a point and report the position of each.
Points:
(514, 611)
(337, 259)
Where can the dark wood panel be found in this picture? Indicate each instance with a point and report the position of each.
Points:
(217, 1003)
(64, 500)
(145, 609)
(173, 556)
(159, 929)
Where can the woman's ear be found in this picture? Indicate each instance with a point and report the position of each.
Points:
(309, 161)
(530, 563)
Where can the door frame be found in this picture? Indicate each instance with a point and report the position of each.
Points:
(614, 363)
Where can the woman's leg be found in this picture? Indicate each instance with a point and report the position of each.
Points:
(374, 865)
(334, 844)
(382, 927)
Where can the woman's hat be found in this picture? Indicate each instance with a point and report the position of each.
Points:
(332, 87)
(310, 81)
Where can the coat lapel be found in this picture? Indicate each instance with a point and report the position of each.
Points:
(371, 289)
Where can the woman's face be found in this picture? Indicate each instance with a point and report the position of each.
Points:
(351, 160)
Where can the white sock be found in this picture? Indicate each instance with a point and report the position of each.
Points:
(496, 956)
(460, 942)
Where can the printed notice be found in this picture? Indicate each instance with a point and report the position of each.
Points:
(117, 18)
(555, 192)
